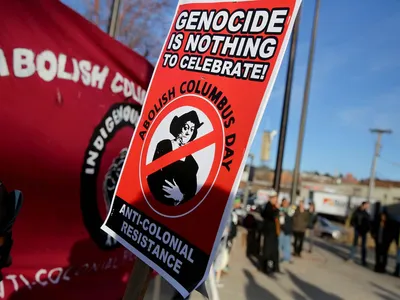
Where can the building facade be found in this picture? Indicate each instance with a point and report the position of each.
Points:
(387, 192)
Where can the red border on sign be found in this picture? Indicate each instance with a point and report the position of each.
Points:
(214, 137)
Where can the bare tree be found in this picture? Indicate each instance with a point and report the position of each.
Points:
(143, 24)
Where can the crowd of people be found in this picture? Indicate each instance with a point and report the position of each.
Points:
(283, 231)
(284, 225)
(384, 231)
(221, 262)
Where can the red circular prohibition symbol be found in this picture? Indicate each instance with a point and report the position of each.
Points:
(216, 136)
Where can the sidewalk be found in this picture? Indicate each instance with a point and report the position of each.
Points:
(320, 275)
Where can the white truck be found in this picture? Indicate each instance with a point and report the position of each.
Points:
(330, 204)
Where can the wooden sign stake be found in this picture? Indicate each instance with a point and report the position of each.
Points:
(138, 281)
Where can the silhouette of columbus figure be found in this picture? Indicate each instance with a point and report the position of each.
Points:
(176, 183)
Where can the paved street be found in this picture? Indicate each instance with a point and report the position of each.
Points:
(324, 274)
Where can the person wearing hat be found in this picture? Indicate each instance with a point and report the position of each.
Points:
(176, 183)
(271, 231)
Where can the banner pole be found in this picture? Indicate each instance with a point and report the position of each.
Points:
(138, 281)
(157, 288)
(213, 285)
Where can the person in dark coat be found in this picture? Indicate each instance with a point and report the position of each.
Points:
(252, 242)
(397, 236)
(271, 229)
(176, 183)
(300, 223)
(397, 241)
(384, 232)
(360, 221)
(380, 234)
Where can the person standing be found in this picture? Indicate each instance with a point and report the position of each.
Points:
(300, 223)
(380, 233)
(231, 236)
(222, 257)
(360, 221)
(252, 244)
(311, 224)
(285, 236)
(270, 258)
(397, 268)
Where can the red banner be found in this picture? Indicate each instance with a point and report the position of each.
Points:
(70, 98)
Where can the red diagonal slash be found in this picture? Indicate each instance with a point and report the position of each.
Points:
(186, 150)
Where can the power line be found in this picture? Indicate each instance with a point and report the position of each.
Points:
(394, 164)
(380, 175)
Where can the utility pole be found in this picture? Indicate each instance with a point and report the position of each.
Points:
(379, 132)
(248, 184)
(286, 103)
(303, 119)
(113, 23)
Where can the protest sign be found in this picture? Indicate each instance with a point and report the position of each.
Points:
(205, 102)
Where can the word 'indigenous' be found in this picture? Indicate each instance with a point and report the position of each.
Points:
(240, 21)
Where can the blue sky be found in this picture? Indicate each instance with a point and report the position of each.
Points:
(355, 86)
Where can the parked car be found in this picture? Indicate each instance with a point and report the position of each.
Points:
(326, 229)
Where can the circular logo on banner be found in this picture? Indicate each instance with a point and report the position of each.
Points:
(181, 156)
(101, 168)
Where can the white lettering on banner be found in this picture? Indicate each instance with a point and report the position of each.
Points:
(224, 67)
(122, 113)
(151, 244)
(58, 275)
(49, 66)
(3, 65)
(233, 46)
(249, 22)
